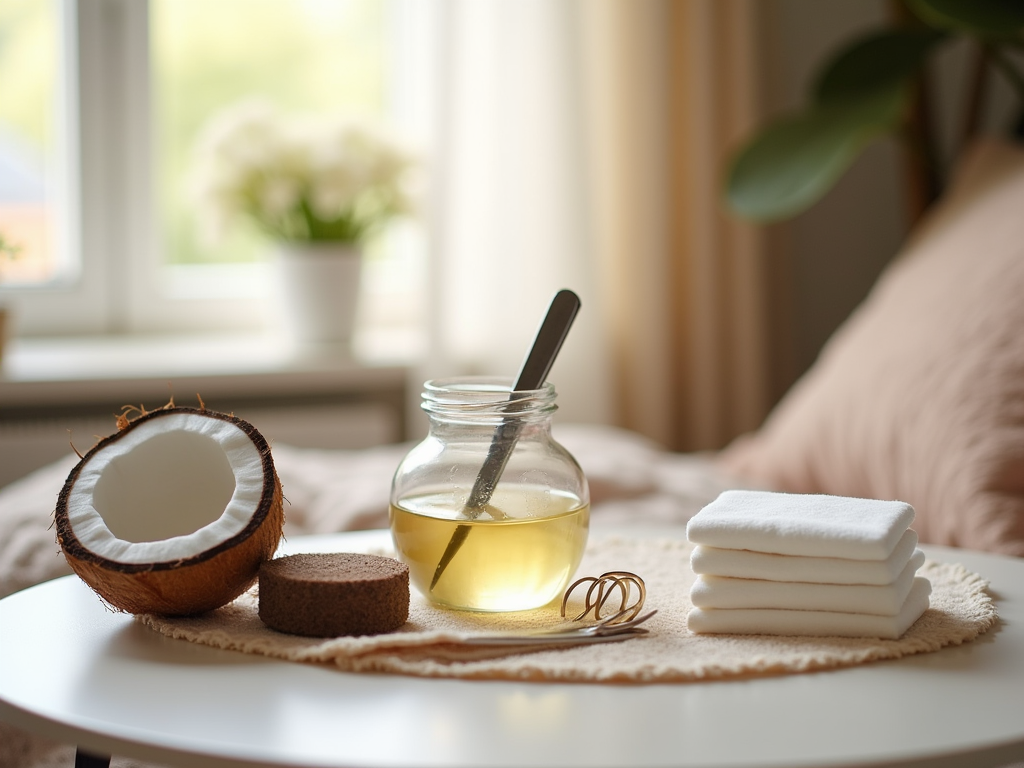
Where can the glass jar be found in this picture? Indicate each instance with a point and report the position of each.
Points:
(489, 512)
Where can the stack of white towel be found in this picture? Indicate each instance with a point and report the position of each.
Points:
(800, 564)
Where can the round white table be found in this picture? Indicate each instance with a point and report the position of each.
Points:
(74, 671)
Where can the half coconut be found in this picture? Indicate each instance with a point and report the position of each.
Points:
(174, 513)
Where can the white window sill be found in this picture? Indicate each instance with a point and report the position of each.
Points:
(53, 389)
(78, 359)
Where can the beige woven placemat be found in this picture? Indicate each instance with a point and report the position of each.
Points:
(960, 611)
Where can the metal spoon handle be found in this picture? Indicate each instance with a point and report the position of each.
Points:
(546, 345)
(532, 374)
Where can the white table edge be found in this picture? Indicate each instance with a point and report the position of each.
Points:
(128, 743)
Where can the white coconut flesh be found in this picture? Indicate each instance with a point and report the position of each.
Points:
(169, 489)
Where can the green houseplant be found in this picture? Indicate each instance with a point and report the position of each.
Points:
(862, 93)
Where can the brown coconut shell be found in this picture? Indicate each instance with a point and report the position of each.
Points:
(188, 586)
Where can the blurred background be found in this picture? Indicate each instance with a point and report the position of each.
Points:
(562, 143)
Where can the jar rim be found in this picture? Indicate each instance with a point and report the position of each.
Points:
(482, 385)
(485, 397)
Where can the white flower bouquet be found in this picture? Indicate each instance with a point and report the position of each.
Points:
(300, 179)
(10, 253)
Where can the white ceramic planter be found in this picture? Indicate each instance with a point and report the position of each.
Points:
(317, 287)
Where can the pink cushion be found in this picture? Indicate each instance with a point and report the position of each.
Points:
(919, 396)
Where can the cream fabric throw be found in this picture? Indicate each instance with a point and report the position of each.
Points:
(960, 610)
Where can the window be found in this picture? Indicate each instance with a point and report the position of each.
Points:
(30, 144)
(101, 133)
(310, 57)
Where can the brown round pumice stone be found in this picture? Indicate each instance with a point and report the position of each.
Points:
(328, 595)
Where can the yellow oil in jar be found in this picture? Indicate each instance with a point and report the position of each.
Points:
(519, 553)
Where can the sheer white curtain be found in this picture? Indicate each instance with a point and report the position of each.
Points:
(511, 196)
(582, 143)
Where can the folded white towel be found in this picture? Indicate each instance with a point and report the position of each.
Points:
(744, 564)
(770, 621)
(802, 524)
(881, 600)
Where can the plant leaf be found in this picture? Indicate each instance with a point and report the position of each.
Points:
(794, 162)
(859, 95)
(986, 18)
(881, 61)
